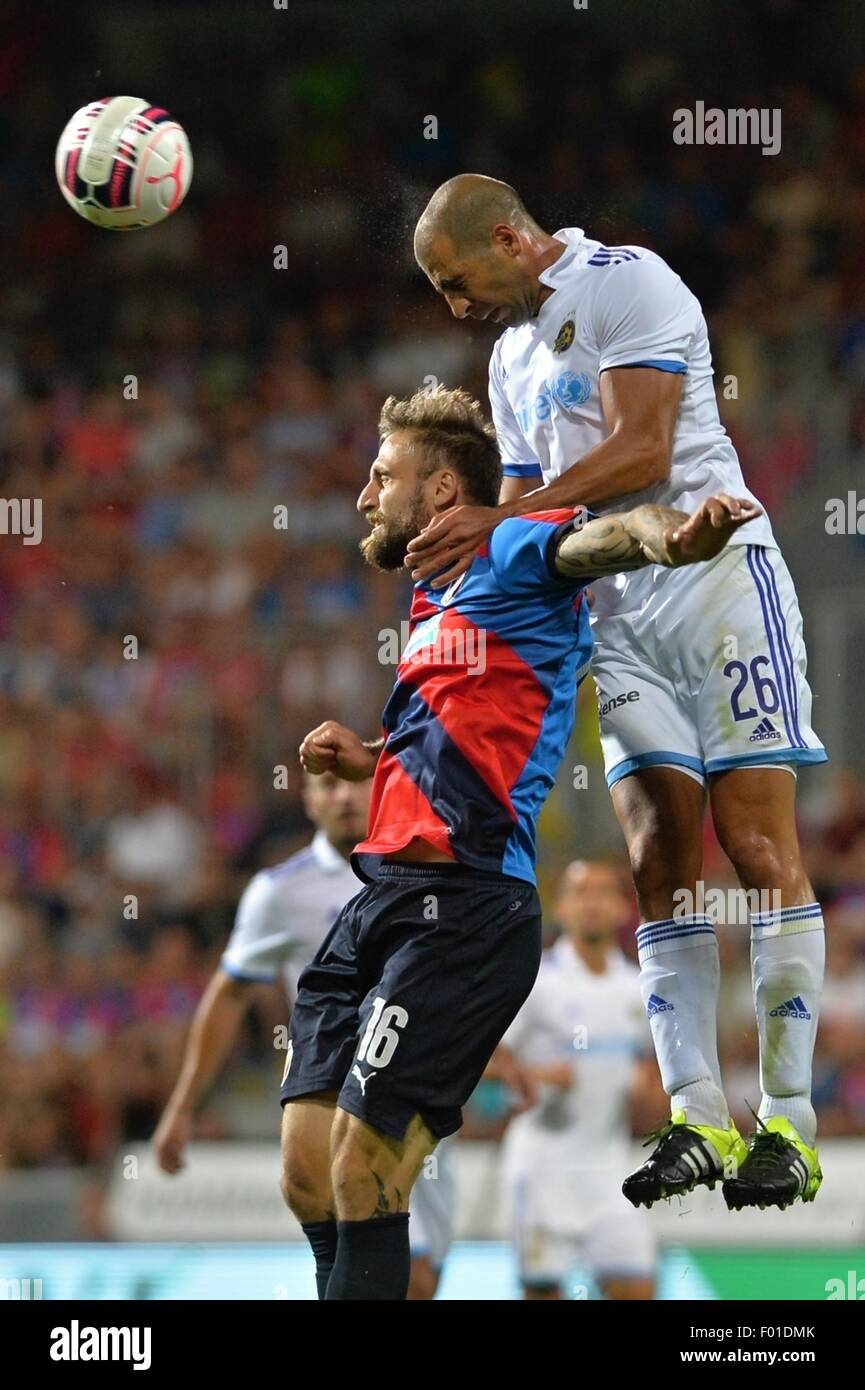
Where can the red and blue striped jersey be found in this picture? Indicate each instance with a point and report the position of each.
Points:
(483, 706)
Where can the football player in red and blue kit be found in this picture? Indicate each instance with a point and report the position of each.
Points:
(400, 1010)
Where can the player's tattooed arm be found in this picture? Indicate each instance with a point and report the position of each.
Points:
(652, 528)
(652, 535)
(616, 543)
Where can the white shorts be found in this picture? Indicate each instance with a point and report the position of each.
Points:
(708, 673)
(593, 1224)
(433, 1204)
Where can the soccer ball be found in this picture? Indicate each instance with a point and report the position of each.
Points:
(123, 163)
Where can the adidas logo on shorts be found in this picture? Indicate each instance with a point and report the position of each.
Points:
(765, 732)
(794, 1008)
(657, 1005)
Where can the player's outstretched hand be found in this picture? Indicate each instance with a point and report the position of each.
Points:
(706, 532)
(449, 543)
(334, 748)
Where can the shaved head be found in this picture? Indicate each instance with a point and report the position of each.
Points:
(479, 248)
(466, 209)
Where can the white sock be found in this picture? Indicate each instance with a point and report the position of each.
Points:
(788, 952)
(679, 979)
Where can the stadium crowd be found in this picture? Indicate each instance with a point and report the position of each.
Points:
(197, 423)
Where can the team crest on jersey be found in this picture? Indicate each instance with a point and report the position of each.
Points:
(565, 336)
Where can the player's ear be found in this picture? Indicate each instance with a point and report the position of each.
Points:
(447, 488)
(507, 238)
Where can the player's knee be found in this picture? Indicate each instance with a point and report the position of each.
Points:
(354, 1172)
(305, 1189)
(287, 1186)
(656, 874)
(759, 861)
(298, 1192)
(360, 1189)
(362, 1172)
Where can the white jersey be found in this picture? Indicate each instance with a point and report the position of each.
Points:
(597, 1023)
(286, 912)
(619, 306)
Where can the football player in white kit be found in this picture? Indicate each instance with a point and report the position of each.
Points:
(282, 918)
(582, 1037)
(601, 389)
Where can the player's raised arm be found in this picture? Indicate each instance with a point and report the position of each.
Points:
(640, 407)
(652, 535)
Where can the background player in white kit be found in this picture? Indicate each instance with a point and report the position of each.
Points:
(583, 1039)
(282, 918)
(602, 388)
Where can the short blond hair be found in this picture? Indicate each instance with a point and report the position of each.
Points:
(453, 431)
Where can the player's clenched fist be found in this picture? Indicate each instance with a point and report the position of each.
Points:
(334, 748)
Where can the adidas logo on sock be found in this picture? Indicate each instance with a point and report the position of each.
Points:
(765, 732)
(657, 1005)
(794, 1008)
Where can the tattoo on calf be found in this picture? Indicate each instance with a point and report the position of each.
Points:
(383, 1206)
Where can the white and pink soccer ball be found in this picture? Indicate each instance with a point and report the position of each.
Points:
(123, 163)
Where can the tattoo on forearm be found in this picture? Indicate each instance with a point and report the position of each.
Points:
(649, 525)
(603, 546)
(615, 544)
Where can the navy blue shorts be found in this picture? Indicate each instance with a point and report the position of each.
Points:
(411, 991)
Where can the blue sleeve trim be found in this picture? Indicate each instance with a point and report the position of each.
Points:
(522, 470)
(624, 769)
(660, 363)
(776, 755)
(245, 977)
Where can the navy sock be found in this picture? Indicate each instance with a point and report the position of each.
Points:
(322, 1237)
(373, 1260)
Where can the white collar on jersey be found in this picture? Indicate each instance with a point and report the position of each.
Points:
(573, 237)
(565, 952)
(327, 856)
